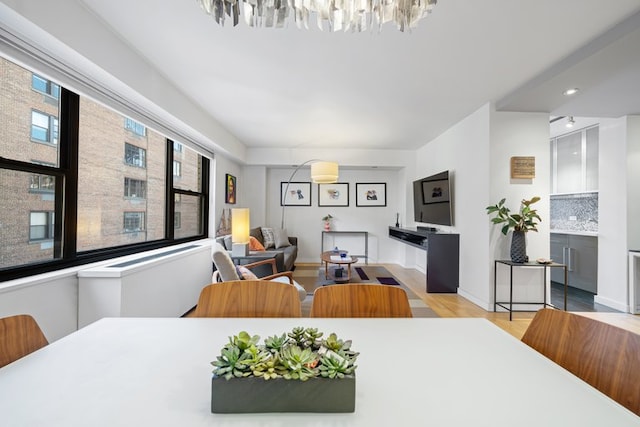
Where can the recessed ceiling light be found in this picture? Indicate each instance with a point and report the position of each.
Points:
(571, 91)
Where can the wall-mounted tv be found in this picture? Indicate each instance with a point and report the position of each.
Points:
(432, 202)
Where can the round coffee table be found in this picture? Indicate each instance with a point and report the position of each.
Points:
(326, 258)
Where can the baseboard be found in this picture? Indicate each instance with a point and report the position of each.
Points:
(488, 306)
(616, 305)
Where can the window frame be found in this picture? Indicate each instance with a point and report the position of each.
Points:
(65, 252)
(141, 156)
(52, 130)
(51, 89)
(49, 226)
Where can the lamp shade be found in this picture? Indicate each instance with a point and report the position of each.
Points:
(240, 225)
(324, 172)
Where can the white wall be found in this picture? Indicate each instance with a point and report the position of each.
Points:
(305, 222)
(633, 182)
(478, 151)
(220, 167)
(464, 151)
(612, 214)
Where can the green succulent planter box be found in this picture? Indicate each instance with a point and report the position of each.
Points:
(254, 395)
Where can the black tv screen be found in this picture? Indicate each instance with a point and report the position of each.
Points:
(432, 199)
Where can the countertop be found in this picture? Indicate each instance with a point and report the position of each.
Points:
(575, 232)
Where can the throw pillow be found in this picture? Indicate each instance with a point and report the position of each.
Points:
(257, 233)
(269, 238)
(245, 274)
(255, 245)
(281, 238)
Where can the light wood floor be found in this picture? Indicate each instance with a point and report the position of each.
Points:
(453, 305)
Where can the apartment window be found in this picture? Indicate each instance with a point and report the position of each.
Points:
(135, 156)
(177, 168)
(177, 147)
(94, 221)
(44, 127)
(133, 222)
(45, 86)
(135, 127)
(135, 188)
(41, 226)
(42, 183)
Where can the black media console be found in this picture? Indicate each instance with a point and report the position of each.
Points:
(443, 256)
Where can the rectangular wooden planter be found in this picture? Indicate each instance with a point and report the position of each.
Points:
(249, 395)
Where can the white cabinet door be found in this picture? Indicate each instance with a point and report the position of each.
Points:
(569, 158)
(574, 159)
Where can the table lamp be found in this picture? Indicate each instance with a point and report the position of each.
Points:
(240, 232)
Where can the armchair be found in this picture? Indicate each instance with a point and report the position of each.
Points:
(227, 271)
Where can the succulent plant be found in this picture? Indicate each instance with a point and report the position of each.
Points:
(299, 363)
(332, 366)
(275, 343)
(231, 363)
(298, 355)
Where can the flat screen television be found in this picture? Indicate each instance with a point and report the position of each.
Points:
(432, 202)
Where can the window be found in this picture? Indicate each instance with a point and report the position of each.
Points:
(177, 147)
(42, 183)
(135, 156)
(44, 128)
(41, 226)
(125, 190)
(177, 168)
(45, 86)
(135, 188)
(134, 127)
(133, 222)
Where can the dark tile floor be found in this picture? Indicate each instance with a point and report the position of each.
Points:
(577, 299)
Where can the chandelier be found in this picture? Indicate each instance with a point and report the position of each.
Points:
(340, 15)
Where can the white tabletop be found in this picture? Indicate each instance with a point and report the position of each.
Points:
(411, 372)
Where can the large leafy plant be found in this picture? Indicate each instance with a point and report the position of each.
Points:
(298, 355)
(525, 220)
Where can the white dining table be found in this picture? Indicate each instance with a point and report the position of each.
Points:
(411, 372)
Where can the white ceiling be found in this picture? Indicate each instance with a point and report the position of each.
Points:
(305, 88)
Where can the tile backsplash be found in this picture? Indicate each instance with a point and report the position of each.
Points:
(574, 212)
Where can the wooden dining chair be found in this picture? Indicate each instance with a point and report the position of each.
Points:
(603, 355)
(248, 298)
(360, 300)
(19, 336)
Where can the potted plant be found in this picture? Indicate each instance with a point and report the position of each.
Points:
(327, 222)
(522, 222)
(299, 371)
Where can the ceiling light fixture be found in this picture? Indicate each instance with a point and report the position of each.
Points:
(340, 15)
(570, 122)
(571, 91)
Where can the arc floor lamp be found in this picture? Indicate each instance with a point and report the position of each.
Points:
(322, 172)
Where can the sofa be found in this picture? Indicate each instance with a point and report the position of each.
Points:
(276, 243)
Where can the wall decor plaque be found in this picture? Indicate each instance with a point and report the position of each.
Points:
(523, 167)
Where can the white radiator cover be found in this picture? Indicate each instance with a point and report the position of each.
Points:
(166, 284)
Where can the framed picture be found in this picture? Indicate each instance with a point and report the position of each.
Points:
(295, 194)
(371, 194)
(230, 189)
(435, 191)
(333, 194)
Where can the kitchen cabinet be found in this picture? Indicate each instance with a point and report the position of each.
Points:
(574, 161)
(580, 254)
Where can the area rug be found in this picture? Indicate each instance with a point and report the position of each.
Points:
(312, 277)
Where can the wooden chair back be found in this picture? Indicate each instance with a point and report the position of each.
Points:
(603, 355)
(249, 298)
(360, 300)
(19, 336)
